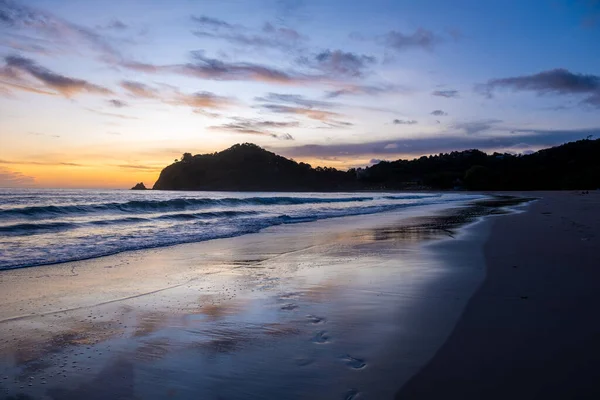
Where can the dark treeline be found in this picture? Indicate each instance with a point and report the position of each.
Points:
(247, 167)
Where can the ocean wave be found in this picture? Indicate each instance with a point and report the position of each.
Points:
(87, 225)
(46, 227)
(142, 206)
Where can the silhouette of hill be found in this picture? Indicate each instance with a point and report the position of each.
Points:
(139, 186)
(247, 167)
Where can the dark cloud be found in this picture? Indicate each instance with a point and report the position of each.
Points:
(421, 38)
(338, 63)
(214, 69)
(557, 81)
(334, 124)
(593, 100)
(17, 66)
(283, 32)
(439, 113)
(370, 90)
(258, 127)
(473, 127)
(64, 35)
(404, 122)
(262, 124)
(445, 93)
(210, 68)
(295, 99)
(270, 36)
(213, 23)
(117, 103)
(526, 139)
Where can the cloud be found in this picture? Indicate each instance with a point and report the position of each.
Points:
(62, 34)
(26, 43)
(473, 127)
(10, 178)
(404, 122)
(338, 63)
(295, 99)
(439, 113)
(115, 25)
(199, 100)
(9, 162)
(593, 100)
(445, 93)
(312, 113)
(258, 127)
(138, 89)
(17, 66)
(370, 90)
(171, 95)
(557, 81)
(109, 114)
(526, 139)
(421, 38)
(213, 23)
(8, 93)
(117, 103)
(334, 124)
(213, 69)
(210, 68)
(140, 167)
(270, 36)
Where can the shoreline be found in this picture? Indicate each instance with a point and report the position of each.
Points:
(528, 332)
(266, 221)
(319, 294)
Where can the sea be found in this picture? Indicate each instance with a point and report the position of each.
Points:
(48, 226)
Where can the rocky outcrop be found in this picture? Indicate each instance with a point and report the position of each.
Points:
(139, 186)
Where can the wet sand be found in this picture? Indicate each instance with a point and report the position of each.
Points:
(347, 308)
(531, 330)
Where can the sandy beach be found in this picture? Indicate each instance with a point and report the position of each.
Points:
(353, 308)
(530, 330)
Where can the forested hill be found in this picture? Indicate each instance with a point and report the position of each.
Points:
(247, 167)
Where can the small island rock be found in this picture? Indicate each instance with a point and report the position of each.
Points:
(139, 186)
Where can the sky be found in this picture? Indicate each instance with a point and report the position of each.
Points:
(105, 94)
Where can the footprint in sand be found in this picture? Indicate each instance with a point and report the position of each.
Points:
(354, 363)
(289, 307)
(321, 337)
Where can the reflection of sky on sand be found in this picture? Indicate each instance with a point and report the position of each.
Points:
(316, 311)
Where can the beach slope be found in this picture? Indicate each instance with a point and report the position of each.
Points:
(531, 330)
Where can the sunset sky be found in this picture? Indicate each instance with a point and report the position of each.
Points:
(106, 93)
